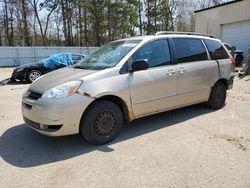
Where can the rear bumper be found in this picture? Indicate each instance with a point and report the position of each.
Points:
(230, 82)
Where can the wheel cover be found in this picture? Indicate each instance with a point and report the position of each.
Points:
(105, 124)
(34, 75)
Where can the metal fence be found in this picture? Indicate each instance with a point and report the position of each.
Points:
(14, 56)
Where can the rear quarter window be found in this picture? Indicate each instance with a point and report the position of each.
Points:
(189, 49)
(216, 50)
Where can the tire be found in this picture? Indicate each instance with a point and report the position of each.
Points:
(238, 60)
(101, 123)
(33, 75)
(217, 96)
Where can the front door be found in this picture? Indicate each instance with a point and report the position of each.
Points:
(153, 89)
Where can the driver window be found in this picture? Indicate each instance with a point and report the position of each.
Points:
(156, 53)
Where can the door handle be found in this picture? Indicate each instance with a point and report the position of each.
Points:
(182, 70)
(171, 72)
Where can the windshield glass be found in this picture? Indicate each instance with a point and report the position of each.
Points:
(108, 55)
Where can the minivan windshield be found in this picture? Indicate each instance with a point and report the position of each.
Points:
(108, 55)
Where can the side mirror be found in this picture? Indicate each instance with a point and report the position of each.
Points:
(139, 65)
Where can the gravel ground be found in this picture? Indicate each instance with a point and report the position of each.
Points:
(188, 147)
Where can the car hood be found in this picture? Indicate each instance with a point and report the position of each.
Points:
(58, 77)
(36, 64)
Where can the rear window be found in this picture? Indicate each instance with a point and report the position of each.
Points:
(216, 50)
(188, 50)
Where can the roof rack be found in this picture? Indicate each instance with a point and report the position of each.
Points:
(182, 33)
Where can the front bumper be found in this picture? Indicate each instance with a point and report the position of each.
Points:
(55, 117)
(20, 75)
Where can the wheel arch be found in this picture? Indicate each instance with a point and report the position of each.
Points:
(223, 81)
(127, 114)
(34, 68)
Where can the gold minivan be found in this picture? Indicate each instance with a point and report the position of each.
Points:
(129, 79)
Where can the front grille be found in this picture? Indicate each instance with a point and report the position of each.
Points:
(27, 106)
(32, 123)
(33, 95)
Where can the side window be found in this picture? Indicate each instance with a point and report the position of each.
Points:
(76, 57)
(215, 49)
(188, 50)
(157, 53)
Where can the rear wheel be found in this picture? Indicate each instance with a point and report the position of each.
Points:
(217, 96)
(33, 75)
(102, 122)
(238, 60)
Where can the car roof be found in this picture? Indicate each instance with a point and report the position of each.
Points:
(150, 37)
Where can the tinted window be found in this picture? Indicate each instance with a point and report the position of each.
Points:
(188, 50)
(156, 53)
(76, 57)
(216, 50)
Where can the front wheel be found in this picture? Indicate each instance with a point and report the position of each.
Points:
(217, 96)
(102, 122)
(33, 75)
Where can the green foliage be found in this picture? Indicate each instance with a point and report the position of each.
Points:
(93, 22)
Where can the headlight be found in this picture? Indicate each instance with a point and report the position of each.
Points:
(63, 90)
(18, 70)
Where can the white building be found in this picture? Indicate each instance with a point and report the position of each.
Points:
(229, 21)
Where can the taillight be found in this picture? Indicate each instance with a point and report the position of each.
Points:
(233, 61)
(233, 65)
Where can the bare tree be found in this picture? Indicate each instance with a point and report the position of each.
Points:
(140, 9)
(47, 6)
(24, 10)
(6, 22)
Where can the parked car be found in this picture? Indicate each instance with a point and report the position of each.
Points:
(128, 79)
(238, 54)
(30, 72)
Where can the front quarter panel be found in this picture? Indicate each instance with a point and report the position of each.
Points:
(110, 82)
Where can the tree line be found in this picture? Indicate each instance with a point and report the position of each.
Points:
(91, 22)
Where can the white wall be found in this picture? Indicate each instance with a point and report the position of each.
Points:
(234, 16)
(14, 56)
(210, 21)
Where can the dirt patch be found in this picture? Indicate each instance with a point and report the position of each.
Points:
(247, 78)
(239, 142)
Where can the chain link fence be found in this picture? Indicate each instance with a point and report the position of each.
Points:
(15, 56)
